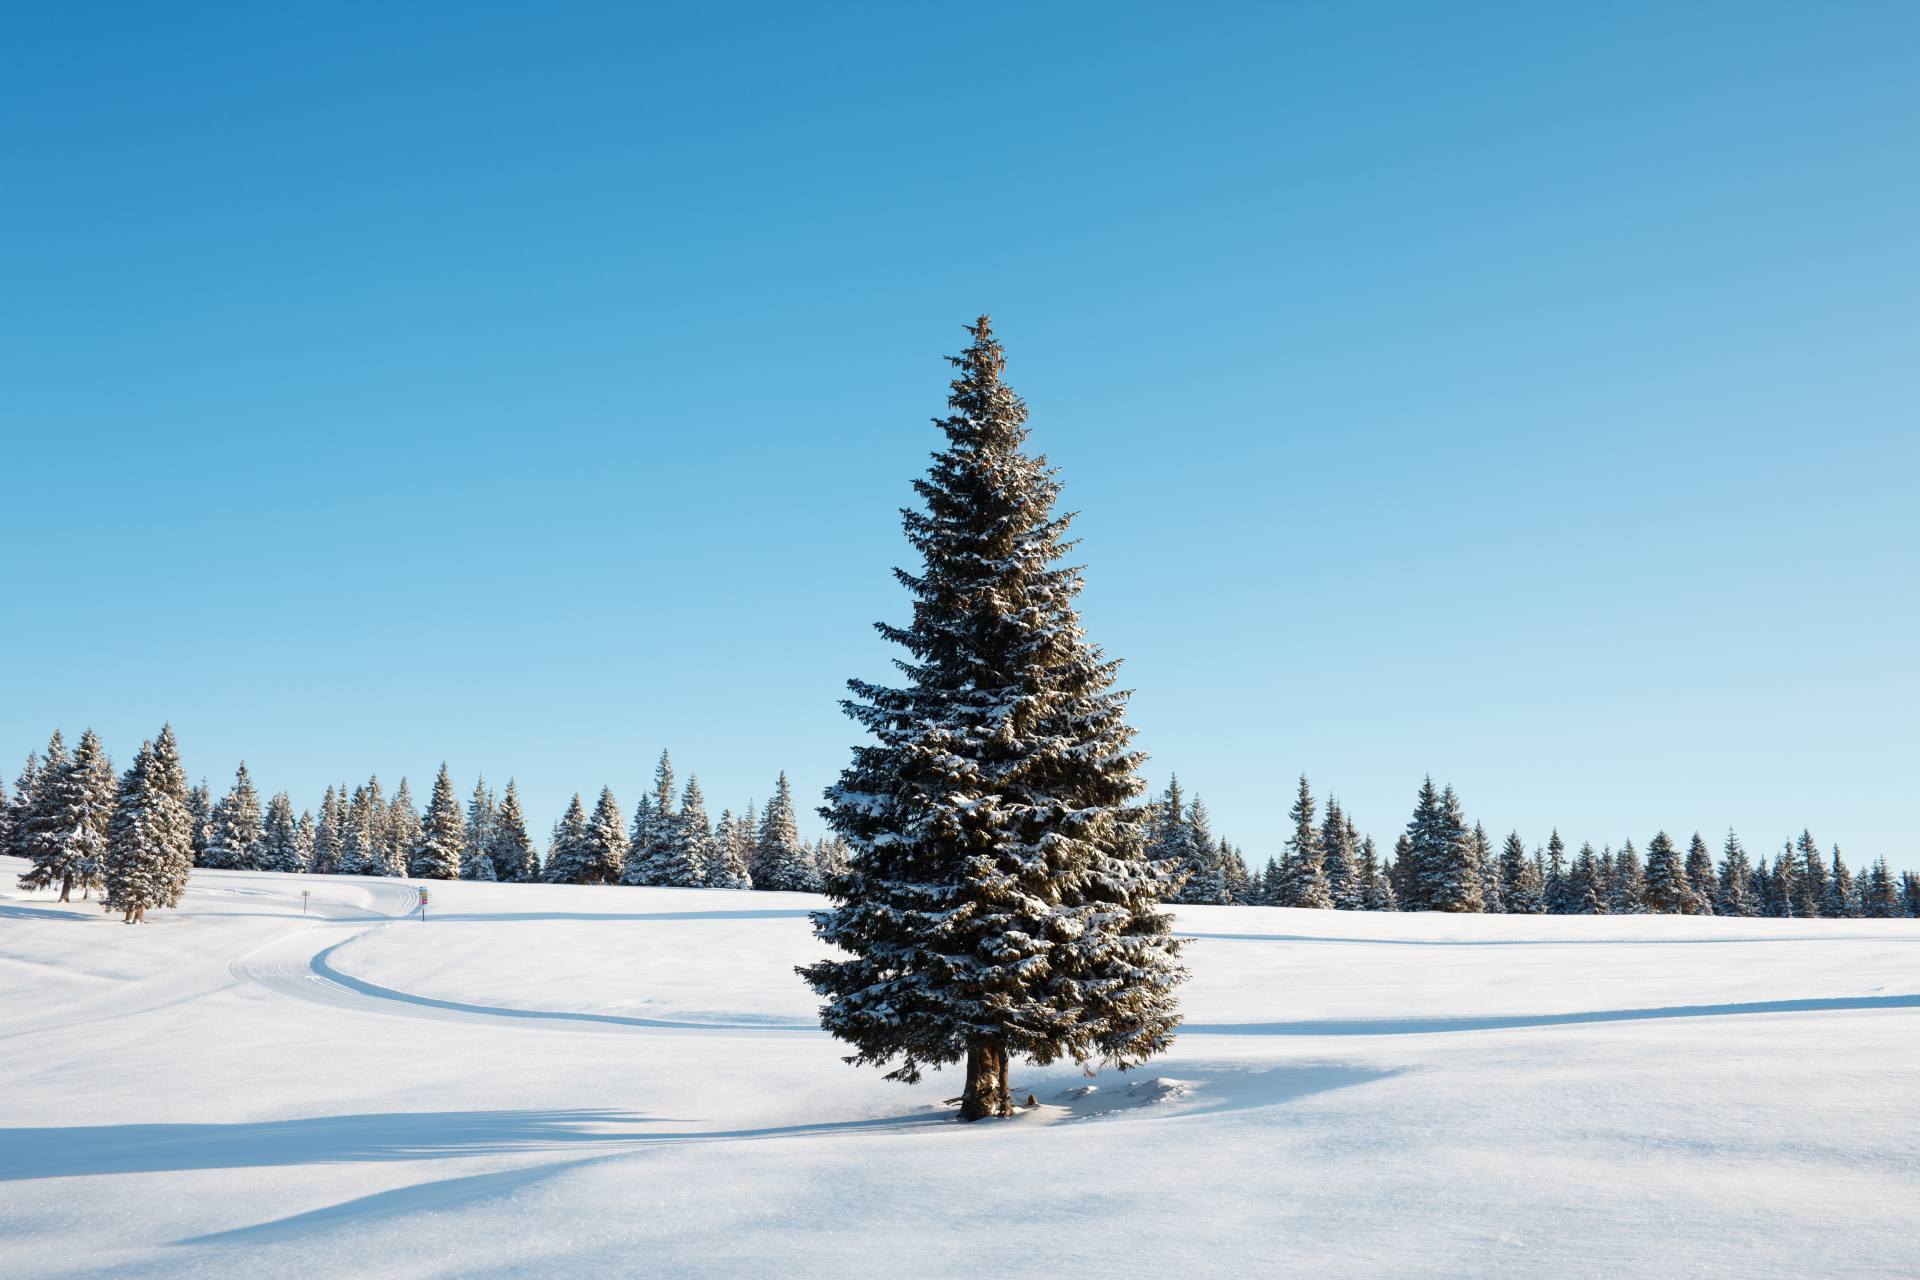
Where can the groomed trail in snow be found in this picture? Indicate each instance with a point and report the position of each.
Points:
(555, 1081)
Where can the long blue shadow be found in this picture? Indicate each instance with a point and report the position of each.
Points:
(1536, 942)
(1429, 1026)
(68, 1151)
(767, 914)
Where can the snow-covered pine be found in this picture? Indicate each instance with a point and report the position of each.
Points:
(1909, 894)
(656, 850)
(1879, 897)
(604, 851)
(362, 847)
(1735, 896)
(641, 838)
(1493, 890)
(1629, 882)
(1585, 889)
(1306, 861)
(442, 843)
(1783, 886)
(1444, 874)
(1233, 871)
(400, 829)
(200, 807)
(1208, 883)
(780, 859)
(233, 838)
(1273, 884)
(1524, 878)
(513, 854)
(20, 805)
(733, 849)
(482, 817)
(998, 901)
(280, 837)
(150, 840)
(327, 833)
(1843, 898)
(68, 817)
(1340, 850)
(567, 852)
(1560, 901)
(699, 857)
(304, 833)
(1667, 888)
(1380, 896)
(1171, 847)
(1700, 877)
(1813, 877)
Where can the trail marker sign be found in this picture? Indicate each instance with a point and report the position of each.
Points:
(423, 904)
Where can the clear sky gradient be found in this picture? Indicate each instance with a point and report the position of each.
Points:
(1516, 393)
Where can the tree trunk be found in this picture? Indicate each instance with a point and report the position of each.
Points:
(987, 1092)
(66, 888)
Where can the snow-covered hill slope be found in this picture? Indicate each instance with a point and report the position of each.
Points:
(553, 1081)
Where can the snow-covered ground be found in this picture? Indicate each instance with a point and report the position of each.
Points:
(551, 1081)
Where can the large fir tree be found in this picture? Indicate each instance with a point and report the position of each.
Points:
(567, 856)
(1668, 889)
(1306, 861)
(780, 860)
(235, 836)
(998, 901)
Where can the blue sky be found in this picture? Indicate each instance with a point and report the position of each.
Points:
(1516, 394)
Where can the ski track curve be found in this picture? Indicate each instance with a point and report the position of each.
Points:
(300, 966)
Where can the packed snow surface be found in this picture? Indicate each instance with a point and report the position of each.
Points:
(553, 1080)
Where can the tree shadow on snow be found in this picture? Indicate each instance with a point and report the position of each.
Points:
(490, 917)
(67, 1151)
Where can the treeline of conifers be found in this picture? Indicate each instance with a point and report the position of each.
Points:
(1441, 863)
(132, 838)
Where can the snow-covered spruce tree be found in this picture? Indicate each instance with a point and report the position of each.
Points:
(998, 901)
(1172, 848)
(732, 850)
(361, 852)
(482, 815)
(304, 834)
(1734, 896)
(512, 854)
(1208, 883)
(1843, 898)
(640, 838)
(1306, 863)
(654, 852)
(1273, 883)
(1559, 888)
(1526, 890)
(280, 837)
(326, 834)
(233, 838)
(567, 852)
(18, 807)
(36, 826)
(399, 826)
(200, 807)
(1629, 882)
(1586, 889)
(696, 834)
(1668, 890)
(150, 840)
(1813, 877)
(606, 842)
(1233, 871)
(780, 861)
(1444, 875)
(1879, 898)
(1493, 887)
(1909, 893)
(1380, 896)
(1700, 877)
(68, 818)
(1783, 886)
(1340, 848)
(442, 842)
